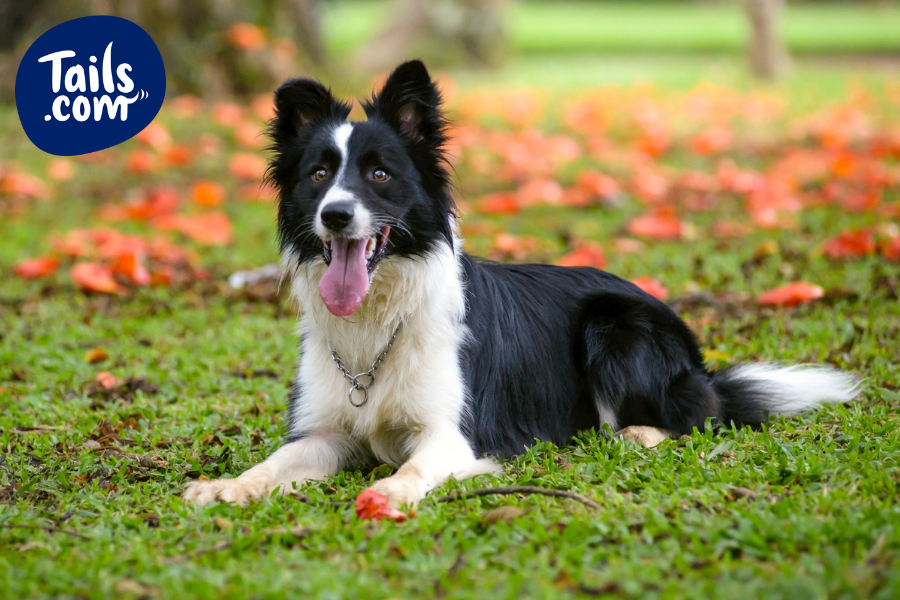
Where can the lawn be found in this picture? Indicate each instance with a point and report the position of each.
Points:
(542, 27)
(805, 508)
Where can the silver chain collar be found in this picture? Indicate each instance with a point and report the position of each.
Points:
(369, 376)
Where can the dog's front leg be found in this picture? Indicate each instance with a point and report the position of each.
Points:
(439, 453)
(313, 457)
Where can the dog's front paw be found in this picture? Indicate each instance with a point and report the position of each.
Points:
(240, 490)
(401, 491)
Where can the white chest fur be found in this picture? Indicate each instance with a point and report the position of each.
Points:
(419, 384)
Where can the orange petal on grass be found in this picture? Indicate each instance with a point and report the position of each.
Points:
(131, 266)
(249, 135)
(540, 191)
(518, 247)
(140, 162)
(185, 106)
(660, 226)
(246, 36)
(247, 166)
(34, 268)
(798, 292)
(210, 229)
(373, 505)
(23, 185)
(94, 277)
(60, 169)
(891, 249)
(712, 141)
(207, 193)
(106, 380)
(598, 184)
(586, 254)
(651, 286)
(178, 156)
(850, 243)
(227, 114)
(500, 203)
(156, 136)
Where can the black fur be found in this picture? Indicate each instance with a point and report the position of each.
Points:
(548, 345)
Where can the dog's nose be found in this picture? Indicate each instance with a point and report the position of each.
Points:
(337, 215)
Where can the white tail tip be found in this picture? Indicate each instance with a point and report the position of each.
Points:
(797, 388)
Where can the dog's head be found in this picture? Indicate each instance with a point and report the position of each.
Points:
(356, 193)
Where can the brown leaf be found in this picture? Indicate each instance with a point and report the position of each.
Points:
(742, 492)
(502, 513)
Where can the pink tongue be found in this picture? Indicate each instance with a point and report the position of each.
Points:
(346, 281)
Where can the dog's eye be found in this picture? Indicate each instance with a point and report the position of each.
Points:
(380, 175)
(320, 175)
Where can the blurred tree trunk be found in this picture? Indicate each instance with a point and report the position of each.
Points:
(767, 53)
(201, 53)
(442, 33)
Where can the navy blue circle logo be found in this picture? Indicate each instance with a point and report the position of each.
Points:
(89, 84)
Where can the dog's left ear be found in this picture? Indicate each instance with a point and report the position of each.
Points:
(411, 104)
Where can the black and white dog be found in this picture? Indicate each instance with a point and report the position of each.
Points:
(472, 360)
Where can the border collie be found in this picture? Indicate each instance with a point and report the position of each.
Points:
(416, 354)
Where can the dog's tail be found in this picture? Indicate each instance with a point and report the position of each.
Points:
(751, 392)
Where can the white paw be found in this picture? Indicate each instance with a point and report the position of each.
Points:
(401, 490)
(647, 437)
(240, 490)
(482, 466)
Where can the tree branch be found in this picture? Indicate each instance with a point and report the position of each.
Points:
(521, 489)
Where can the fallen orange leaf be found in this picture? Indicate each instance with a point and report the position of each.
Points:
(891, 249)
(95, 355)
(185, 106)
(33, 268)
(500, 203)
(227, 114)
(107, 380)
(209, 229)
(131, 266)
(651, 286)
(60, 169)
(850, 243)
(207, 193)
(140, 162)
(156, 136)
(23, 185)
(94, 277)
(586, 254)
(791, 294)
(660, 226)
(598, 184)
(246, 36)
(373, 505)
(178, 156)
(247, 166)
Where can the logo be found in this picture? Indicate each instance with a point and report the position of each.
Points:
(89, 84)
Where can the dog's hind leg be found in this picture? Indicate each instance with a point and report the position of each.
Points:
(438, 455)
(646, 437)
(645, 369)
(313, 457)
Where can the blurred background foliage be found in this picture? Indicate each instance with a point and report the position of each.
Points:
(216, 48)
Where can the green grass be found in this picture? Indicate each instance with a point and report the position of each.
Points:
(824, 524)
(652, 27)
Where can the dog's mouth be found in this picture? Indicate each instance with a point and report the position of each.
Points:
(350, 263)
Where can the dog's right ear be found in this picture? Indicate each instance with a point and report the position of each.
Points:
(300, 103)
